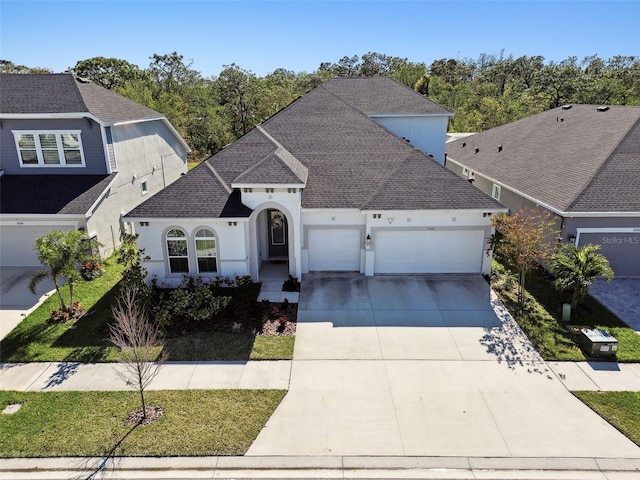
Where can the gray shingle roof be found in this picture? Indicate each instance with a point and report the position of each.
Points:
(198, 194)
(575, 160)
(64, 93)
(51, 194)
(352, 161)
(381, 95)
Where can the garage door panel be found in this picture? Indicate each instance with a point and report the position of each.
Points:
(334, 249)
(17, 244)
(429, 251)
(621, 249)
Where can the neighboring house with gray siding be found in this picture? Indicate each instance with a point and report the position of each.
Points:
(579, 162)
(74, 155)
(348, 177)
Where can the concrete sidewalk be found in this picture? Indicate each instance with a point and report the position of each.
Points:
(67, 376)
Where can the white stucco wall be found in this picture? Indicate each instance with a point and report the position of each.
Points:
(239, 247)
(428, 133)
(231, 244)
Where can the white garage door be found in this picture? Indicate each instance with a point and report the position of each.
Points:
(17, 244)
(334, 249)
(438, 251)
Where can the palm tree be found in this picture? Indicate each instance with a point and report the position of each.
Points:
(61, 253)
(577, 268)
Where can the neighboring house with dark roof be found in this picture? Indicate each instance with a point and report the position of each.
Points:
(74, 155)
(340, 180)
(579, 162)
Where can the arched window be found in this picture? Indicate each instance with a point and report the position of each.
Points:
(177, 251)
(206, 251)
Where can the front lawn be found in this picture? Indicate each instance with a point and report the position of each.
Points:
(620, 409)
(37, 340)
(93, 424)
(85, 340)
(541, 320)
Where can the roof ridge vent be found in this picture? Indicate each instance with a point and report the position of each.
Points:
(602, 108)
(566, 107)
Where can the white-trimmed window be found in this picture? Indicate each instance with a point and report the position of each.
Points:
(177, 252)
(206, 251)
(144, 186)
(50, 148)
(495, 193)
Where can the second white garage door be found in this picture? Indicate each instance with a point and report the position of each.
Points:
(334, 249)
(439, 251)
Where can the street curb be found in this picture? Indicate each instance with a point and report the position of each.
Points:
(328, 466)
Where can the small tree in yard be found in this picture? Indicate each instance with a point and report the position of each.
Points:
(138, 339)
(577, 268)
(524, 242)
(62, 253)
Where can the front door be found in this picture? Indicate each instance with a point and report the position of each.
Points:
(277, 228)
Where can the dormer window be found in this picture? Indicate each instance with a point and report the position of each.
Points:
(51, 148)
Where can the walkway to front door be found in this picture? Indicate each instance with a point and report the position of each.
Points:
(272, 276)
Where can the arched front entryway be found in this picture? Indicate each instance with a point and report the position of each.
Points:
(272, 244)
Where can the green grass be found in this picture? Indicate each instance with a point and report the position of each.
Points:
(34, 340)
(194, 423)
(203, 346)
(541, 320)
(620, 409)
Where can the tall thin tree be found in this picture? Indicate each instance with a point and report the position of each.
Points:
(140, 342)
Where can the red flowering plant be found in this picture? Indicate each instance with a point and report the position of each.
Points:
(91, 270)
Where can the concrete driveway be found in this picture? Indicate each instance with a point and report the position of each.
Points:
(16, 300)
(427, 366)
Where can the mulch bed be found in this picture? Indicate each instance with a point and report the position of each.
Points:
(279, 319)
(154, 413)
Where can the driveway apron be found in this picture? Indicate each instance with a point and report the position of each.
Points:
(16, 300)
(423, 365)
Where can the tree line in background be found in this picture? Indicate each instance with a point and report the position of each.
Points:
(484, 93)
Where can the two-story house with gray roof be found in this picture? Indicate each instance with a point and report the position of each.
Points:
(579, 162)
(348, 177)
(74, 155)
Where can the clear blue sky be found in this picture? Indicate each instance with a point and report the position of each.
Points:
(298, 35)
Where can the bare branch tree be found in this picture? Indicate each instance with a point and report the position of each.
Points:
(139, 340)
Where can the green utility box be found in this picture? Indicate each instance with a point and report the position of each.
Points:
(597, 343)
